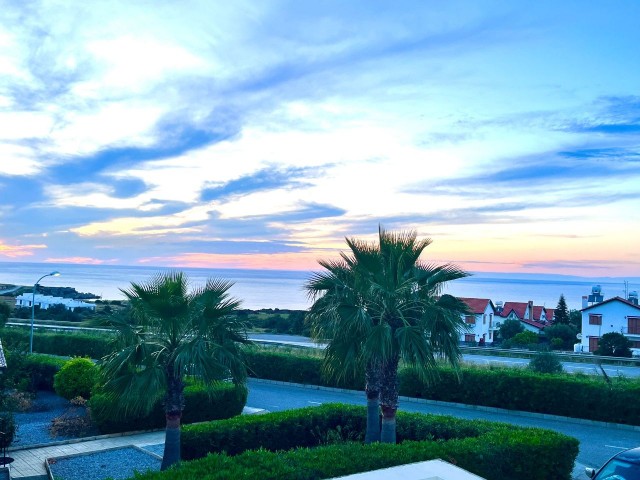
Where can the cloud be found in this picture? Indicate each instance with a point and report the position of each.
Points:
(77, 260)
(17, 251)
(266, 179)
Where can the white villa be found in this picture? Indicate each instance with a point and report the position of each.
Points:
(480, 324)
(46, 301)
(613, 315)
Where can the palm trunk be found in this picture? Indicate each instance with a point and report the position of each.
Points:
(389, 399)
(173, 407)
(372, 390)
(171, 442)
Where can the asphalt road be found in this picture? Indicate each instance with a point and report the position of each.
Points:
(597, 443)
(571, 367)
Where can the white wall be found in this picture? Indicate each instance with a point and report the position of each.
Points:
(614, 319)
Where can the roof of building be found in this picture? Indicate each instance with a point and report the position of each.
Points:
(537, 313)
(613, 299)
(519, 308)
(551, 312)
(477, 305)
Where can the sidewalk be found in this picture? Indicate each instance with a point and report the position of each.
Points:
(29, 463)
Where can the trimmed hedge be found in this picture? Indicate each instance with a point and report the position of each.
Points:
(72, 344)
(493, 450)
(31, 371)
(578, 396)
(222, 401)
(76, 378)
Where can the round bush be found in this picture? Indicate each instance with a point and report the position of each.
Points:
(76, 378)
(546, 362)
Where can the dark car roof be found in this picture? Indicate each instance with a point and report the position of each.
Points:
(631, 456)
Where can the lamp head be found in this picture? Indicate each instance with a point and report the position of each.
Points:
(55, 274)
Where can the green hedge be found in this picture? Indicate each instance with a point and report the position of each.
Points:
(31, 371)
(222, 401)
(578, 396)
(492, 450)
(72, 344)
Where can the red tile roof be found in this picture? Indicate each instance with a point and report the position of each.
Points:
(550, 314)
(477, 305)
(537, 313)
(518, 307)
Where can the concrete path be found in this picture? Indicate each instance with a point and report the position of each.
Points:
(29, 463)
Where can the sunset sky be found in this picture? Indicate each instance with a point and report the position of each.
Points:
(260, 134)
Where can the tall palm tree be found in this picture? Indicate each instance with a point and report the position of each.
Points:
(173, 333)
(378, 305)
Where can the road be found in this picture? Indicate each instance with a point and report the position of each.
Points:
(571, 367)
(597, 443)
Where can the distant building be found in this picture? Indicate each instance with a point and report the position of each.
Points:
(480, 323)
(533, 318)
(613, 315)
(46, 301)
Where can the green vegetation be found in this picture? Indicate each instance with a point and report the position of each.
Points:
(510, 328)
(77, 344)
(380, 304)
(322, 439)
(561, 336)
(525, 338)
(546, 362)
(578, 396)
(171, 334)
(202, 402)
(7, 429)
(76, 378)
(614, 345)
(561, 313)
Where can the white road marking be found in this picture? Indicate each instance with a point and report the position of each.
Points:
(619, 448)
(315, 403)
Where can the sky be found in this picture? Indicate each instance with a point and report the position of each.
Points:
(260, 134)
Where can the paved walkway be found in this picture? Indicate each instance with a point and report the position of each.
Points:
(29, 463)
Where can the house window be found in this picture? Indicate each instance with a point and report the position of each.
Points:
(489, 334)
(635, 344)
(634, 325)
(490, 321)
(595, 319)
(484, 319)
(469, 338)
(593, 343)
(470, 319)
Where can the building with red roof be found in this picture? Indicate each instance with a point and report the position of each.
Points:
(480, 322)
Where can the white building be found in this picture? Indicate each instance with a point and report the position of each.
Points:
(46, 301)
(612, 315)
(480, 322)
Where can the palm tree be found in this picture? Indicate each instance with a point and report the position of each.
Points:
(171, 334)
(378, 305)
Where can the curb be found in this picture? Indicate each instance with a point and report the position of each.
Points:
(519, 413)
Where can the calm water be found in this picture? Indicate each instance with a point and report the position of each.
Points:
(284, 289)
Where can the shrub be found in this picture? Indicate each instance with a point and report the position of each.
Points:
(494, 450)
(8, 427)
(76, 378)
(30, 372)
(67, 343)
(202, 403)
(557, 343)
(74, 422)
(525, 338)
(510, 328)
(546, 362)
(614, 344)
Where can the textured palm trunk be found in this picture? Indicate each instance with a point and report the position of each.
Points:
(389, 399)
(372, 390)
(174, 405)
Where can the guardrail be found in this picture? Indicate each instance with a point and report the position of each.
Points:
(566, 356)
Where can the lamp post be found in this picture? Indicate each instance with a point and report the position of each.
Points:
(33, 304)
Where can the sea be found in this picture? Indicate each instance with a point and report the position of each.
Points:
(284, 289)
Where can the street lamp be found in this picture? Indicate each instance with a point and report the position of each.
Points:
(33, 304)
